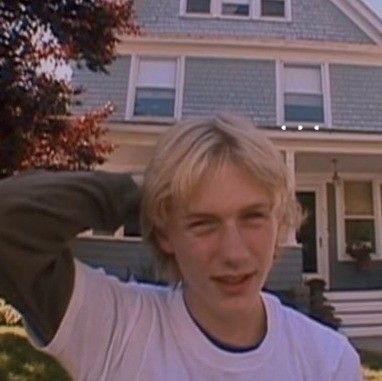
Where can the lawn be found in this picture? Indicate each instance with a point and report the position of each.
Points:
(20, 362)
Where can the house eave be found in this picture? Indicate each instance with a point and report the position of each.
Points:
(280, 45)
(363, 17)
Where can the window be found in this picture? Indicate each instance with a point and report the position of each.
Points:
(235, 7)
(273, 8)
(277, 10)
(155, 88)
(359, 217)
(198, 6)
(303, 95)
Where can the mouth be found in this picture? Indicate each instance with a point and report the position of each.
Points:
(233, 284)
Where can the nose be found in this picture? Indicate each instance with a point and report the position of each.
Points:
(233, 249)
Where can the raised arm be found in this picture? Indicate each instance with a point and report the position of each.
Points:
(40, 214)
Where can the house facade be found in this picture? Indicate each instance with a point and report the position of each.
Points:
(308, 73)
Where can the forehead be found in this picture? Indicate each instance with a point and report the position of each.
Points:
(229, 188)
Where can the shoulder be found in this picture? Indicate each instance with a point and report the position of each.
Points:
(306, 336)
(97, 281)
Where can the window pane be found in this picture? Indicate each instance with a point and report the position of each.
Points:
(198, 6)
(304, 108)
(274, 8)
(358, 198)
(156, 73)
(154, 102)
(360, 231)
(302, 79)
(233, 8)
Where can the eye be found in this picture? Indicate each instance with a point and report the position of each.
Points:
(255, 215)
(201, 225)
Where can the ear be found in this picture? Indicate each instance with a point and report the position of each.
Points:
(164, 241)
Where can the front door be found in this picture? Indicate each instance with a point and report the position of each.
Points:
(310, 235)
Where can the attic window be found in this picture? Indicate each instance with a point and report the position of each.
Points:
(273, 8)
(198, 6)
(235, 7)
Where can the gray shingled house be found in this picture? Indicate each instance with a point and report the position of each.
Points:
(309, 73)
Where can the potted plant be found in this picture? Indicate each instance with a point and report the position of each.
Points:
(360, 251)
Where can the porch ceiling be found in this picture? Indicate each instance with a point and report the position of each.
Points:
(315, 162)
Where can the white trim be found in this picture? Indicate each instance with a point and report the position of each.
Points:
(131, 86)
(216, 11)
(363, 17)
(319, 189)
(279, 92)
(252, 48)
(377, 190)
(183, 8)
(179, 91)
(288, 10)
(179, 83)
(287, 13)
(325, 80)
(325, 85)
(377, 215)
(290, 163)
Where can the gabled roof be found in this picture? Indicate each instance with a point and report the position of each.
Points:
(363, 17)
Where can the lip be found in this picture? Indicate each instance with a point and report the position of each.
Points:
(233, 284)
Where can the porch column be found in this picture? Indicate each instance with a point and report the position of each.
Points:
(290, 163)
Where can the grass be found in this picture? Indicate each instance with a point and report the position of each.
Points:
(19, 361)
(372, 365)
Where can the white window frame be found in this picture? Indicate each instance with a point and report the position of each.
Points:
(254, 11)
(340, 206)
(325, 84)
(132, 84)
(287, 16)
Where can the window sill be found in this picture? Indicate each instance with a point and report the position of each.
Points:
(233, 17)
(196, 16)
(151, 120)
(274, 19)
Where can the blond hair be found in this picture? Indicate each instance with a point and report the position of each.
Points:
(186, 152)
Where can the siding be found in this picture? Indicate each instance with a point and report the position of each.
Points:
(286, 274)
(344, 275)
(118, 258)
(318, 20)
(125, 258)
(356, 93)
(245, 87)
(101, 88)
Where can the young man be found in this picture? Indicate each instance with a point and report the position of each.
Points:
(215, 208)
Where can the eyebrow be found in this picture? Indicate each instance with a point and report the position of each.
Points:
(246, 209)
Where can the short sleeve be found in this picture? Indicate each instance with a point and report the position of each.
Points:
(101, 311)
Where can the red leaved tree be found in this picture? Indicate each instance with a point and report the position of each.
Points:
(36, 129)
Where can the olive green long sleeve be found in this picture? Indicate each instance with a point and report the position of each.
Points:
(40, 214)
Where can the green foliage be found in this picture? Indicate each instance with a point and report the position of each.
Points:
(20, 362)
(35, 125)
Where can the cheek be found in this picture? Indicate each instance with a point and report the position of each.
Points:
(194, 253)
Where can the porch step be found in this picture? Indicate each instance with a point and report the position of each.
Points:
(359, 311)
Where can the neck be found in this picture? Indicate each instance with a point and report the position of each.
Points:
(240, 329)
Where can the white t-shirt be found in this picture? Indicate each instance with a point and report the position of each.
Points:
(116, 331)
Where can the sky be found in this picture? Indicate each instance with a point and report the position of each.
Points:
(375, 5)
